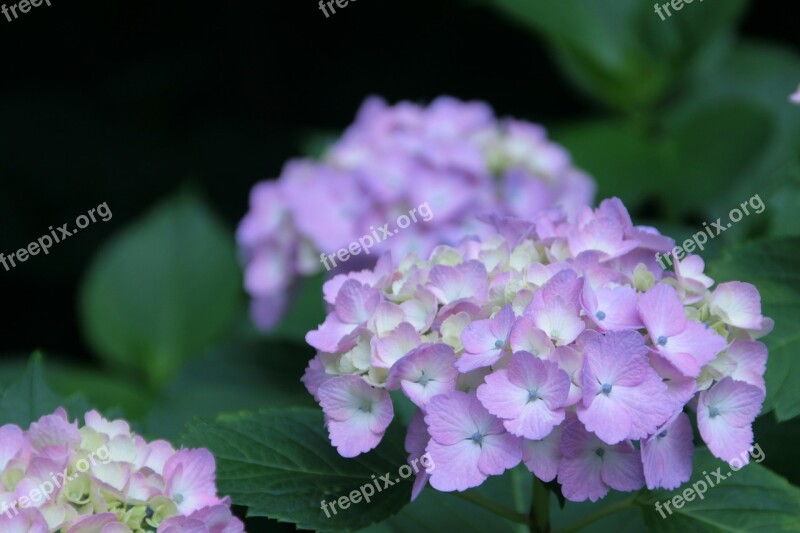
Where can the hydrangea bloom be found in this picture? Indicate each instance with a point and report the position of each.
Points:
(559, 343)
(454, 157)
(56, 476)
(795, 97)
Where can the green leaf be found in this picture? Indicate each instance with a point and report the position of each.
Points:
(280, 464)
(682, 166)
(162, 291)
(236, 376)
(751, 499)
(621, 52)
(30, 398)
(772, 266)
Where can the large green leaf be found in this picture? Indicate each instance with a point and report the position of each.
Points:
(752, 499)
(162, 291)
(682, 167)
(238, 375)
(280, 464)
(30, 397)
(772, 266)
(621, 52)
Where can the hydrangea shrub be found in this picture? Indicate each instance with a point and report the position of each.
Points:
(560, 343)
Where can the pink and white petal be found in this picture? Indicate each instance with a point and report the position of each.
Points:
(526, 337)
(667, 455)
(449, 419)
(542, 456)
(622, 467)
(356, 303)
(726, 442)
(386, 318)
(662, 312)
(499, 453)
(501, 397)
(456, 465)
(738, 304)
(536, 421)
(386, 351)
(607, 418)
(329, 335)
(580, 478)
(473, 361)
(353, 436)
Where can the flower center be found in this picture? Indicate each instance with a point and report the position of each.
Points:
(600, 315)
(423, 380)
(712, 412)
(662, 434)
(476, 437)
(532, 396)
(606, 388)
(600, 452)
(498, 343)
(662, 340)
(178, 498)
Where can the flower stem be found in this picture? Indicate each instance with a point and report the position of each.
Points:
(602, 513)
(539, 516)
(493, 507)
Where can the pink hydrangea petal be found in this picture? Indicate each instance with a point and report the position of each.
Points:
(739, 304)
(692, 348)
(526, 337)
(499, 453)
(725, 413)
(543, 456)
(667, 455)
(456, 465)
(190, 479)
(425, 372)
(662, 312)
(386, 351)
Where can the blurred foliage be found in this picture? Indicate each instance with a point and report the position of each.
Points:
(163, 291)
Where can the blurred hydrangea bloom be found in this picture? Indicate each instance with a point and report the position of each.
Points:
(795, 97)
(56, 476)
(558, 343)
(454, 156)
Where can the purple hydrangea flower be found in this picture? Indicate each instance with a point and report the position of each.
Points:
(454, 158)
(549, 342)
(127, 484)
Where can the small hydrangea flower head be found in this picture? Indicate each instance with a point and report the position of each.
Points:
(558, 341)
(452, 161)
(104, 478)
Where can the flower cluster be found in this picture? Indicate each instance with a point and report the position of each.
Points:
(56, 476)
(559, 343)
(456, 157)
